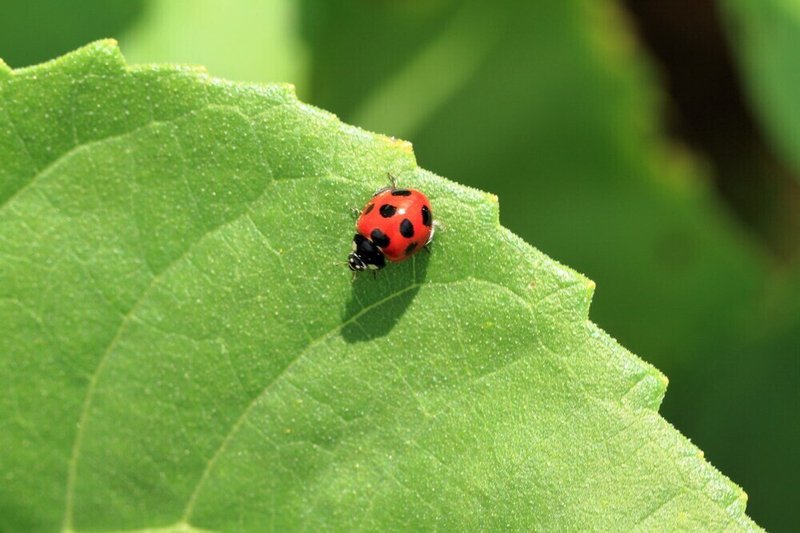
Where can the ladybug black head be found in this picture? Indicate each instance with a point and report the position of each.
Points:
(365, 255)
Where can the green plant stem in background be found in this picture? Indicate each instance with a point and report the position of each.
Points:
(183, 351)
(251, 40)
(463, 46)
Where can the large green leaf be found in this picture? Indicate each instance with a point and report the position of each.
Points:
(554, 107)
(766, 36)
(183, 347)
(554, 111)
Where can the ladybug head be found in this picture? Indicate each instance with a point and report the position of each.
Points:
(365, 255)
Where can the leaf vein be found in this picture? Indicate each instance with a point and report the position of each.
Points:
(242, 418)
(96, 142)
(126, 318)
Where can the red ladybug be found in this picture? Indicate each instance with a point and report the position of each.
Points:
(395, 224)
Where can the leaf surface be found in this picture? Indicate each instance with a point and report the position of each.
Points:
(572, 147)
(183, 347)
(557, 109)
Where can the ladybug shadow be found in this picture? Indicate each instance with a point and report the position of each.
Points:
(377, 303)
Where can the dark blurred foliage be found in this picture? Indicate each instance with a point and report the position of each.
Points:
(622, 138)
(709, 111)
(32, 32)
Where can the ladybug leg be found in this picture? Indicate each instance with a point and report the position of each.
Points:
(433, 231)
(436, 224)
(382, 189)
(392, 185)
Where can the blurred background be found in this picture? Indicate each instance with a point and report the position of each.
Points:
(653, 146)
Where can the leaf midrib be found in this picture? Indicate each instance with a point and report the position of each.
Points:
(247, 206)
(77, 149)
(302, 354)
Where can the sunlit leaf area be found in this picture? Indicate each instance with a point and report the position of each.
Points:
(603, 334)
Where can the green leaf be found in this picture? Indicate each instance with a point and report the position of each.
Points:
(555, 112)
(766, 35)
(183, 347)
(558, 111)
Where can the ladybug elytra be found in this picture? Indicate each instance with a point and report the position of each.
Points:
(394, 225)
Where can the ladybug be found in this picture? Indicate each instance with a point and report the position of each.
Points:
(395, 224)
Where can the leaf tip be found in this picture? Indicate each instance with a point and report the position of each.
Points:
(494, 205)
(659, 391)
(401, 144)
(109, 42)
(109, 47)
(590, 285)
(650, 390)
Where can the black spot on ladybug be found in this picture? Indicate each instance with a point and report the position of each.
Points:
(387, 210)
(401, 192)
(406, 228)
(410, 248)
(426, 216)
(368, 209)
(379, 238)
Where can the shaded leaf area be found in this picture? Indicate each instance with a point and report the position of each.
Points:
(32, 32)
(185, 349)
(555, 108)
(757, 383)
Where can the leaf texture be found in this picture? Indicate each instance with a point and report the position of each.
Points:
(183, 347)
